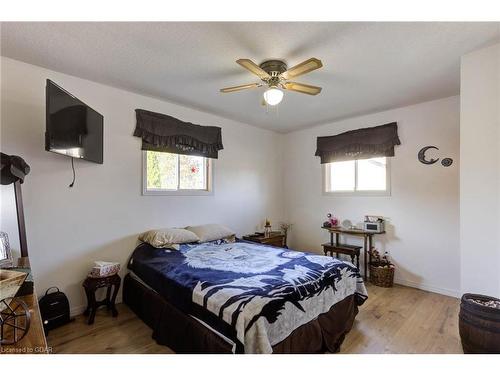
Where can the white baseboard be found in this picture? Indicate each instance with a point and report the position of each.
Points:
(429, 288)
(77, 310)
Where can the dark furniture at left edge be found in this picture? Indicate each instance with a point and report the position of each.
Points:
(91, 284)
(13, 171)
(23, 243)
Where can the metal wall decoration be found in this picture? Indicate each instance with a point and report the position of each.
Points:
(446, 162)
(421, 155)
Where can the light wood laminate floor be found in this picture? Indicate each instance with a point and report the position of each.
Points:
(393, 320)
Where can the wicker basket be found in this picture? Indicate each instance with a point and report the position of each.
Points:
(381, 276)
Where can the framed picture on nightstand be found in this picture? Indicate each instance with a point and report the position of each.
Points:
(5, 252)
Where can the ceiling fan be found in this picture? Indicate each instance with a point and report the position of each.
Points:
(275, 75)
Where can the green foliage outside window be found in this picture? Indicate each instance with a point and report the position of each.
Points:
(153, 170)
(173, 172)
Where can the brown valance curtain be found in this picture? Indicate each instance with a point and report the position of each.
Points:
(363, 143)
(165, 133)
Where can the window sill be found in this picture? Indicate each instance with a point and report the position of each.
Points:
(366, 193)
(179, 192)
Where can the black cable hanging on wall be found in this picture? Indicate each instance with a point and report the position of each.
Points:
(74, 175)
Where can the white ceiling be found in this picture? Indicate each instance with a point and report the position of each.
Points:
(368, 67)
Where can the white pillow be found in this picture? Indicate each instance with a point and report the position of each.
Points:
(167, 237)
(211, 232)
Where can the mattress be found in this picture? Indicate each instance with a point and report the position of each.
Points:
(252, 294)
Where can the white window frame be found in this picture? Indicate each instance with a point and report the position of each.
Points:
(209, 165)
(357, 193)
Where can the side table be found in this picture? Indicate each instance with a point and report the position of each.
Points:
(91, 285)
(274, 239)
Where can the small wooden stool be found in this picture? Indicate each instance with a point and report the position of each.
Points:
(91, 284)
(351, 250)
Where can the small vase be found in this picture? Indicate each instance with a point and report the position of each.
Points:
(267, 231)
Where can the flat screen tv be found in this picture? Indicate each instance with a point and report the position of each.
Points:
(72, 127)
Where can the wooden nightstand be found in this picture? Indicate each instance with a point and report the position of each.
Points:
(275, 239)
(91, 284)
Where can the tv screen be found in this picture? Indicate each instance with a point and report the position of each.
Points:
(72, 127)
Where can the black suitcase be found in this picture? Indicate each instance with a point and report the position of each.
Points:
(54, 309)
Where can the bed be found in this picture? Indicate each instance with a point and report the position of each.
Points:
(243, 297)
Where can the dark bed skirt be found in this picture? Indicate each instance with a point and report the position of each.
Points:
(184, 334)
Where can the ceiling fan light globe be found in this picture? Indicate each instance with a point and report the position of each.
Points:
(273, 96)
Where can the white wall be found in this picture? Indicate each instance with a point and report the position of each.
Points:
(100, 218)
(480, 171)
(423, 209)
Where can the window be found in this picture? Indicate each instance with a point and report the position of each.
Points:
(357, 177)
(174, 174)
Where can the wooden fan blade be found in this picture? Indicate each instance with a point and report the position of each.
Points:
(302, 88)
(302, 68)
(253, 68)
(240, 87)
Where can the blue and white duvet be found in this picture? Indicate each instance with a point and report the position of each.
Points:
(262, 293)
